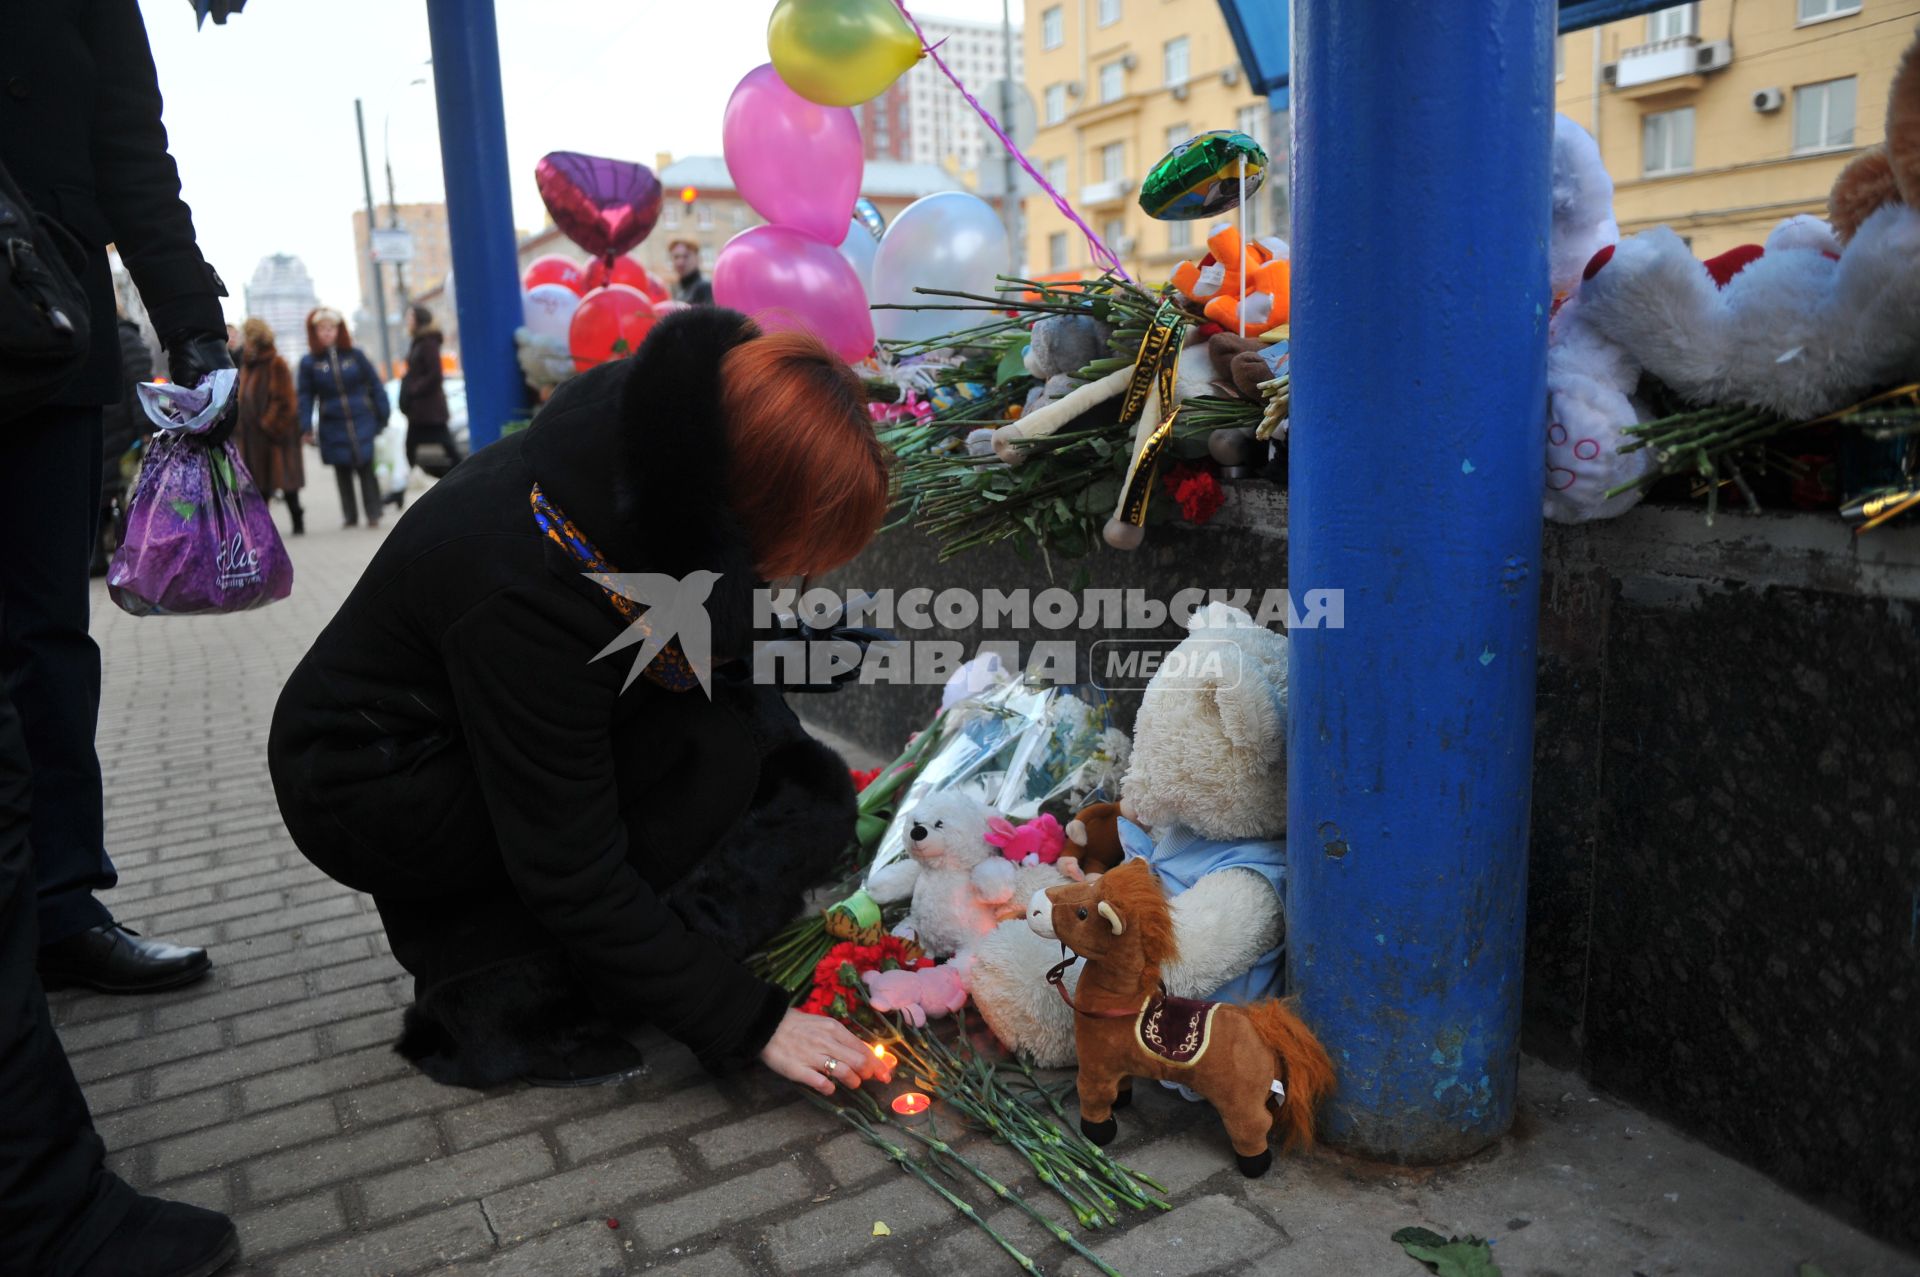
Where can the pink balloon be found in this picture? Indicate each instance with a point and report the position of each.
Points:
(788, 279)
(798, 163)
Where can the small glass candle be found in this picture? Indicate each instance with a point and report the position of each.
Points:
(885, 1057)
(911, 1104)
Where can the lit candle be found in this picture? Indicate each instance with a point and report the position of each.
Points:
(885, 1057)
(911, 1104)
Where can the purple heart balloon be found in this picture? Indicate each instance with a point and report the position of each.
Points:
(605, 206)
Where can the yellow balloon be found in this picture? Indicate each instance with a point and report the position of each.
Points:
(840, 52)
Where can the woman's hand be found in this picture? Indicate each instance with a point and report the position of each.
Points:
(802, 1046)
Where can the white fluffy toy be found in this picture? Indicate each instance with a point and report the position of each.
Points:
(960, 884)
(1208, 777)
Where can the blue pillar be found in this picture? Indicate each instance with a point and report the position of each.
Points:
(1421, 138)
(486, 263)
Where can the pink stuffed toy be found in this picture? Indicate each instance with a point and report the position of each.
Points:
(916, 994)
(1038, 842)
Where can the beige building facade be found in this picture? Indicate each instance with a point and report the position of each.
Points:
(1723, 117)
(1117, 84)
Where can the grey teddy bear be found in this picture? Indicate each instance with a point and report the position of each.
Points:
(1061, 346)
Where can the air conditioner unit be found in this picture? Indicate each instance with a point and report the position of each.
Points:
(1074, 89)
(1230, 76)
(1767, 101)
(1714, 56)
(1179, 93)
(1128, 61)
(1124, 245)
(1610, 74)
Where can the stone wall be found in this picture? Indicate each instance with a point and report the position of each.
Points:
(1724, 912)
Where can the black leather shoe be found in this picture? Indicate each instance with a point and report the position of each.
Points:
(159, 1238)
(113, 959)
(597, 1062)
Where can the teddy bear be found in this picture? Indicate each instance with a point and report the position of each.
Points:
(916, 994)
(960, 885)
(1796, 328)
(1094, 832)
(1206, 789)
(1058, 347)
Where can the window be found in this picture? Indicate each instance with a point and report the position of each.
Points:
(1817, 10)
(1252, 120)
(1057, 174)
(1109, 12)
(1178, 133)
(739, 217)
(1113, 161)
(1113, 82)
(1113, 232)
(1823, 115)
(1176, 60)
(1053, 28)
(672, 218)
(1671, 24)
(1057, 251)
(703, 214)
(1666, 142)
(1179, 235)
(1056, 103)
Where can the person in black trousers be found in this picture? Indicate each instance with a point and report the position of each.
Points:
(423, 391)
(341, 384)
(80, 134)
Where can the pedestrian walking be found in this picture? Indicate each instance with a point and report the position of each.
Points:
(341, 385)
(557, 859)
(423, 390)
(269, 428)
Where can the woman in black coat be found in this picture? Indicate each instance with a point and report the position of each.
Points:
(557, 859)
(423, 391)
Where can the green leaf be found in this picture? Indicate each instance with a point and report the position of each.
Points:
(1012, 364)
(1448, 1256)
(185, 509)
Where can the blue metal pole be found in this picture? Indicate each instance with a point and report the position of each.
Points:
(1422, 139)
(486, 264)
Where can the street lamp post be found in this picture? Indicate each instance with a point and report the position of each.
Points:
(373, 259)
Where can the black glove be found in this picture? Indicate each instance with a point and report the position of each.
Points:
(190, 357)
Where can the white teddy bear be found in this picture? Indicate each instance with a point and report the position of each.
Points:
(1208, 775)
(961, 886)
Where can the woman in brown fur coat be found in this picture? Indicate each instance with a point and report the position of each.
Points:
(269, 430)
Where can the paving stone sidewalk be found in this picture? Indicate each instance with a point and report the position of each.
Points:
(271, 1092)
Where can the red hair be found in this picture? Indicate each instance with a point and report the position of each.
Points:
(344, 341)
(808, 477)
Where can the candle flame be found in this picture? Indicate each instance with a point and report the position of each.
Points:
(910, 1103)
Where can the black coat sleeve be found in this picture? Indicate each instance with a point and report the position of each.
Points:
(537, 718)
(138, 185)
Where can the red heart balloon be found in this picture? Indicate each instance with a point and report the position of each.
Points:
(610, 324)
(605, 206)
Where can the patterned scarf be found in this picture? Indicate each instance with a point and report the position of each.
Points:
(670, 669)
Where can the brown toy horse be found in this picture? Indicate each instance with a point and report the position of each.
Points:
(1257, 1065)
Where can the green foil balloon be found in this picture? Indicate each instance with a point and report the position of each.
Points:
(1201, 177)
(840, 52)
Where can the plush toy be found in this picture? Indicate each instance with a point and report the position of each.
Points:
(1094, 833)
(1060, 346)
(1794, 329)
(1037, 842)
(1257, 1064)
(960, 886)
(1208, 778)
(916, 994)
(1258, 299)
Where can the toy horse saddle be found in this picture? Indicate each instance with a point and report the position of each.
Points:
(1175, 1029)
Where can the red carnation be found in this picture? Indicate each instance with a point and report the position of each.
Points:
(861, 779)
(1196, 489)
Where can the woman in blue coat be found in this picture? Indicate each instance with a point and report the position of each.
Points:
(342, 383)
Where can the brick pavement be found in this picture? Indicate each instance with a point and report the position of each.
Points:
(270, 1090)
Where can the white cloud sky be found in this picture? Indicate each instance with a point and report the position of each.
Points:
(259, 112)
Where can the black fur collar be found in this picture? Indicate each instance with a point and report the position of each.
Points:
(634, 452)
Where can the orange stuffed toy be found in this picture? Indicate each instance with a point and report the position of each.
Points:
(1259, 299)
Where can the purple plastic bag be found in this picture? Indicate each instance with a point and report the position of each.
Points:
(199, 535)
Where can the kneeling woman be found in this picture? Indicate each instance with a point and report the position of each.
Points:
(558, 860)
